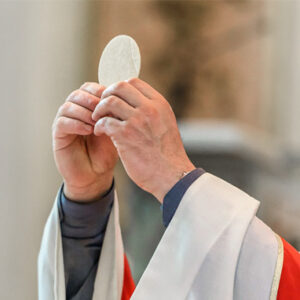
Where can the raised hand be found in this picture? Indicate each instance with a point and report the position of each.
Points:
(143, 128)
(85, 161)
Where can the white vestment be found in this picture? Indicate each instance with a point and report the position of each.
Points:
(214, 248)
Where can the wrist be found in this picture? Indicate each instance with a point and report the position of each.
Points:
(168, 180)
(90, 192)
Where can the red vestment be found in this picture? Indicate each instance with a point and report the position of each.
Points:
(289, 286)
(128, 283)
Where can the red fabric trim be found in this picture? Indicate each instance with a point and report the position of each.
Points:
(128, 283)
(289, 285)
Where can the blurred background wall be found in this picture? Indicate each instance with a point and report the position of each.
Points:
(229, 69)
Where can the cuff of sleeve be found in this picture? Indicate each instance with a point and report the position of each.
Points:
(174, 196)
(84, 220)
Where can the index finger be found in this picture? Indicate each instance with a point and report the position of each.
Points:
(84, 99)
(146, 89)
(126, 92)
(93, 88)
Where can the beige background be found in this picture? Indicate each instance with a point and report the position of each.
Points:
(243, 61)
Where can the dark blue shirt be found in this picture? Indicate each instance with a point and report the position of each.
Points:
(83, 227)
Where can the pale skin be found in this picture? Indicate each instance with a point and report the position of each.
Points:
(129, 119)
(85, 161)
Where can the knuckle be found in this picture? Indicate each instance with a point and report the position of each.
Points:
(85, 85)
(75, 95)
(96, 86)
(133, 81)
(93, 88)
(151, 112)
(142, 122)
(111, 101)
(58, 124)
(102, 122)
(120, 85)
(97, 125)
(71, 95)
(60, 110)
(66, 107)
(90, 102)
(96, 129)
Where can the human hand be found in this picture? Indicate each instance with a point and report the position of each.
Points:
(142, 126)
(85, 161)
